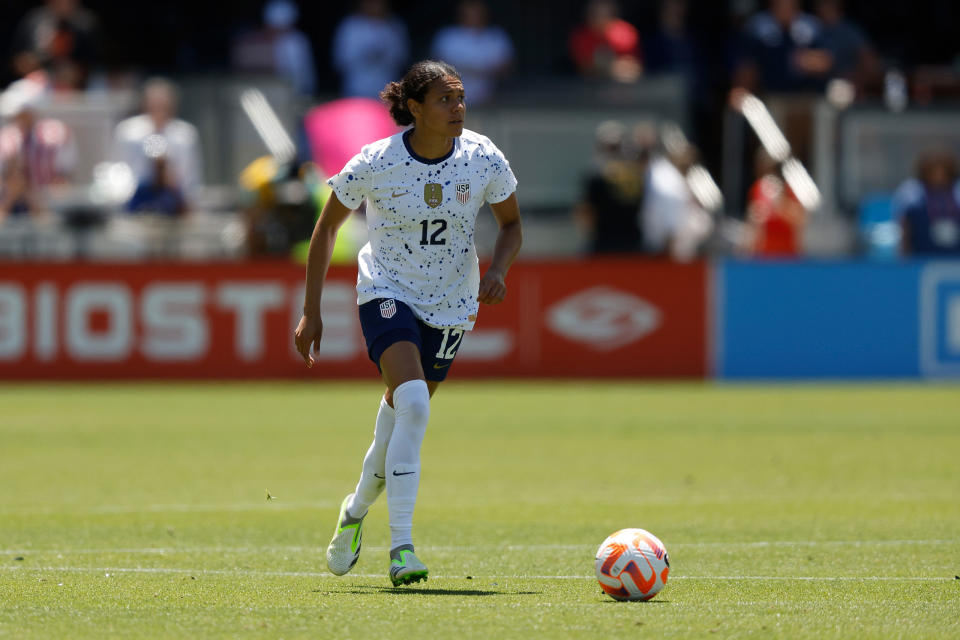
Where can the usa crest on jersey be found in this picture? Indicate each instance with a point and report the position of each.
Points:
(463, 192)
(388, 308)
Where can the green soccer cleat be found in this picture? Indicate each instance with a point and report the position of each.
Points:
(344, 550)
(406, 568)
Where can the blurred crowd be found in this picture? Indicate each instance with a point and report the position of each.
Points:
(648, 190)
(646, 195)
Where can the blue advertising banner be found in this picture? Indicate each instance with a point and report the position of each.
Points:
(940, 319)
(836, 319)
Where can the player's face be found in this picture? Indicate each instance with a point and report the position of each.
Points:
(443, 107)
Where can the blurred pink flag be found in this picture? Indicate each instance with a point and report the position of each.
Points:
(337, 130)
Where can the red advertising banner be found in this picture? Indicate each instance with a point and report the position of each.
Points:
(614, 317)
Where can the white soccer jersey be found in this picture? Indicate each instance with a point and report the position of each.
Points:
(421, 217)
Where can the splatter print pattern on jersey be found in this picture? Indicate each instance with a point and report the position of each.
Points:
(421, 218)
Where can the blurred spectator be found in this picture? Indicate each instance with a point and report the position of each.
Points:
(783, 51)
(35, 153)
(605, 46)
(672, 48)
(783, 57)
(612, 194)
(853, 57)
(775, 214)
(278, 48)
(162, 151)
(370, 48)
(480, 51)
(930, 219)
(673, 223)
(61, 38)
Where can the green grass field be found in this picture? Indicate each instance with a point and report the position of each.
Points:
(788, 511)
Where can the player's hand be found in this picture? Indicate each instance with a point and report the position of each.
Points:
(308, 334)
(492, 288)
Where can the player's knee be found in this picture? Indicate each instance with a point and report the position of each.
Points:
(412, 400)
(419, 410)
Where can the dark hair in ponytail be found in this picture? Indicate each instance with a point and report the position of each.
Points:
(414, 85)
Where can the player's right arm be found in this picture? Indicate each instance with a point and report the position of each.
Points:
(310, 329)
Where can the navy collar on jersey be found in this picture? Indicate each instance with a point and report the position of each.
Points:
(419, 158)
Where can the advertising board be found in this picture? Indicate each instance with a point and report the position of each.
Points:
(151, 320)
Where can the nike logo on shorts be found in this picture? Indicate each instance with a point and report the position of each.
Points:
(377, 475)
(405, 473)
(437, 366)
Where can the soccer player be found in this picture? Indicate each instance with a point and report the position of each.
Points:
(419, 284)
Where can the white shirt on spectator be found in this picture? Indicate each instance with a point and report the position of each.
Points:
(369, 53)
(478, 54)
(672, 221)
(293, 58)
(183, 151)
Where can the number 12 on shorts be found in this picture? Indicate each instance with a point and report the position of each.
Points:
(451, 337)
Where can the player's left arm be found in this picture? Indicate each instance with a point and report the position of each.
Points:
(493, 288)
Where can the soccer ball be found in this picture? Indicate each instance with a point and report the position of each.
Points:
(632, 564)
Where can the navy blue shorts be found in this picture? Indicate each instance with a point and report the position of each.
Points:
(386, 321)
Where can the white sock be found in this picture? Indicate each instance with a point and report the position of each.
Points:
(372, 476)
(411, 400)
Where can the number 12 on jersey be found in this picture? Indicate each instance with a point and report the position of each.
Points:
(448, 346)
(441, 226)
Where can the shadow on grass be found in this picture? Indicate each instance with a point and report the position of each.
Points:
(422, 591)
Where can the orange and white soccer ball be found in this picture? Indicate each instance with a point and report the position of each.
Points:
(632, 564)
